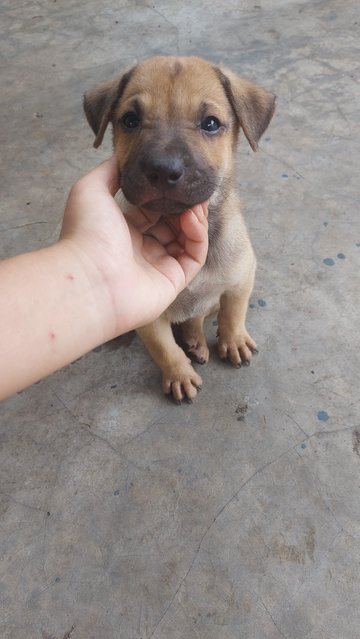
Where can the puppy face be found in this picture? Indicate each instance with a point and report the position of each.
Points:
(175, 126)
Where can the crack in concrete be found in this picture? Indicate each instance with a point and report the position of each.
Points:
(224, 507)
(272, 619)
(297, 424)
(161, 15)
(21, 226)
(111, 446)
(20, 503)
(143, 432)
(217, 516)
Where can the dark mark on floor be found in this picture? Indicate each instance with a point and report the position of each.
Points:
(67, 635)
(330, 262)
(322, 416)
(356, 442)
(241, 411)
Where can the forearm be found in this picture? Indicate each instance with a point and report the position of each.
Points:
(52, 312)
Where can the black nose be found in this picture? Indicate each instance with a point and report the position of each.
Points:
(164, 172)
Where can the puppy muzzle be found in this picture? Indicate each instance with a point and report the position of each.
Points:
(167, 179)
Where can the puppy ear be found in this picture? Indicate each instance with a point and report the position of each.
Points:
(253, 105)
(99, 104)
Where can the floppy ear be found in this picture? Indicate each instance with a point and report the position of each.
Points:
(253, 105)
(100, 102)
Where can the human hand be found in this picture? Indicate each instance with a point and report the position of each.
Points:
(135, 276)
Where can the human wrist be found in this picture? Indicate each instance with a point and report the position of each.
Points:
(89, 290)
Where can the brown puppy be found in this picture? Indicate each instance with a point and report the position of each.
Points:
(176, 123)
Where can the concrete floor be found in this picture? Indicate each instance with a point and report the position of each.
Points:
(123, 516)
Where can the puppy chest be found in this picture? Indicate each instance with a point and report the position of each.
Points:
(197, 299)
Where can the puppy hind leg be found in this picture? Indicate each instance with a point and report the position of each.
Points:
(195, 340)
(179, 377)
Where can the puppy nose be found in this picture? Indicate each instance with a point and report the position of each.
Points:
(164, 173)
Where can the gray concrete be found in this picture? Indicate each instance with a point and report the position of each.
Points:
(122, 516)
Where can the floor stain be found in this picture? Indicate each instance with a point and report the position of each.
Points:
(356, 442)
(241, 411)
(295, 554)
(67, 635)
(286, 552)
(310, 542)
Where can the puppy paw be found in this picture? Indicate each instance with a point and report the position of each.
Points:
(197, 351)
(182, 382)
(194, 340)
(238, 348)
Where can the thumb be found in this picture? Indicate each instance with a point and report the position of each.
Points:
(105, 175)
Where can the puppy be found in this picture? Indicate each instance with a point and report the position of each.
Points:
(176, 124)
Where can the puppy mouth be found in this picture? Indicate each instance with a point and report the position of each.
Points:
(166, 206)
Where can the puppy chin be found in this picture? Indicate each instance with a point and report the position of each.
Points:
(164, 207)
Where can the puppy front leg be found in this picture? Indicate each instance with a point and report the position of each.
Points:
(234, 341)
(179, 377)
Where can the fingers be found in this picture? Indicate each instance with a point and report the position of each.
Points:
(194, 221)
(168, 231)
(163, 232)
(142, 221)
(194, 226)
(181, 259)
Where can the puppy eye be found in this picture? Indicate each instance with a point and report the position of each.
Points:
(130, 120)
(210, 124)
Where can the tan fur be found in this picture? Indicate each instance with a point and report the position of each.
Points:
(169, 162)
